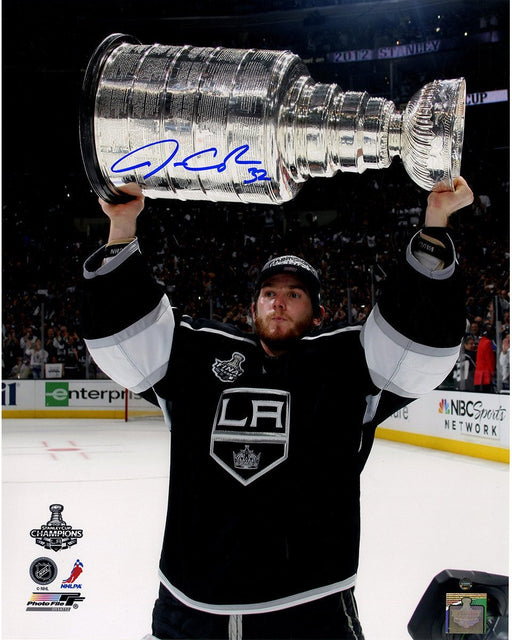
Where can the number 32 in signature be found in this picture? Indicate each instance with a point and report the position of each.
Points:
(193, 162)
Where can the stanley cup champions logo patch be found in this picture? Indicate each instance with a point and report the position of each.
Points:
(250, 432)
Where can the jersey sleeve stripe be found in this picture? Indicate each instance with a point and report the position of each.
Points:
(400, 365)
(425, 268)
(227, 331)
(137, 356)
(91, 268)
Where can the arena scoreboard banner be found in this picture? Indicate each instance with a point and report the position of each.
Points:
(408, 49)
(475, 424)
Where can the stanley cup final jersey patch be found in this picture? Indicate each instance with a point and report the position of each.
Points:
(229, 370)
(250, 432)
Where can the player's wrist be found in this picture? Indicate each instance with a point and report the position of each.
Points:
(120, 241)
(121, 231)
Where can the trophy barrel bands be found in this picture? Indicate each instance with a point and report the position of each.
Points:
(194, 123)
(87, 110)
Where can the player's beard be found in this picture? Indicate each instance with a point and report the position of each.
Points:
(279, 341)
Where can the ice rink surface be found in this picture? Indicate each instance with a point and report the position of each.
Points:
(423, 511)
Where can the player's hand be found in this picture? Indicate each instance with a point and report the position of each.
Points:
(123, 217)
(442, 203)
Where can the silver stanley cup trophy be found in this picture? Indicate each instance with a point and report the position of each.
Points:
(233, 125)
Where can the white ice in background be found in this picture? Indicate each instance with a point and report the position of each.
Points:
(423, 511)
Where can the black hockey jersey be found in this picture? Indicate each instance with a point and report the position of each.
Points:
(266, 453)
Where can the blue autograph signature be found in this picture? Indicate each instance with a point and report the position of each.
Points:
(194, 162)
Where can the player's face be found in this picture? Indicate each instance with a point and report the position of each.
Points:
(282, 313)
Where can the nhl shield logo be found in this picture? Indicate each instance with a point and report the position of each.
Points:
(229, 370)
(250, 432)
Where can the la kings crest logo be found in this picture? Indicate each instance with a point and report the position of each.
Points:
(250, 432)
(229, 370)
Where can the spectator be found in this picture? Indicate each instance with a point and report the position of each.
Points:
(475, 331)
(505, 325)
(21, 370)
(485, 362)
(11, 350)
(38, 358)
(60, 343)
(72, 364)
(504, 362)
(465, 372)
(504, 300)
(49, 344)
(27, 340)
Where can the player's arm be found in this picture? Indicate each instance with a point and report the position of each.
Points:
(432, 247)
(123, 217)
(412, 337)
(128, 320)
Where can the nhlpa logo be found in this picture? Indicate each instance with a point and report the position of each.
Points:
(229, 370)
(70, 583)
(251, 431)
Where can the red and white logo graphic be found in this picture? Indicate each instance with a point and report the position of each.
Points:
(70, 583)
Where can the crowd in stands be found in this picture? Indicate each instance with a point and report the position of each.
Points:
(320, 26)
(207, 257)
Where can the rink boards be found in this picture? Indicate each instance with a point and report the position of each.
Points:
(460, 422)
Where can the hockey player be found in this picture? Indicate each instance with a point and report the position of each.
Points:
(270, 432)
